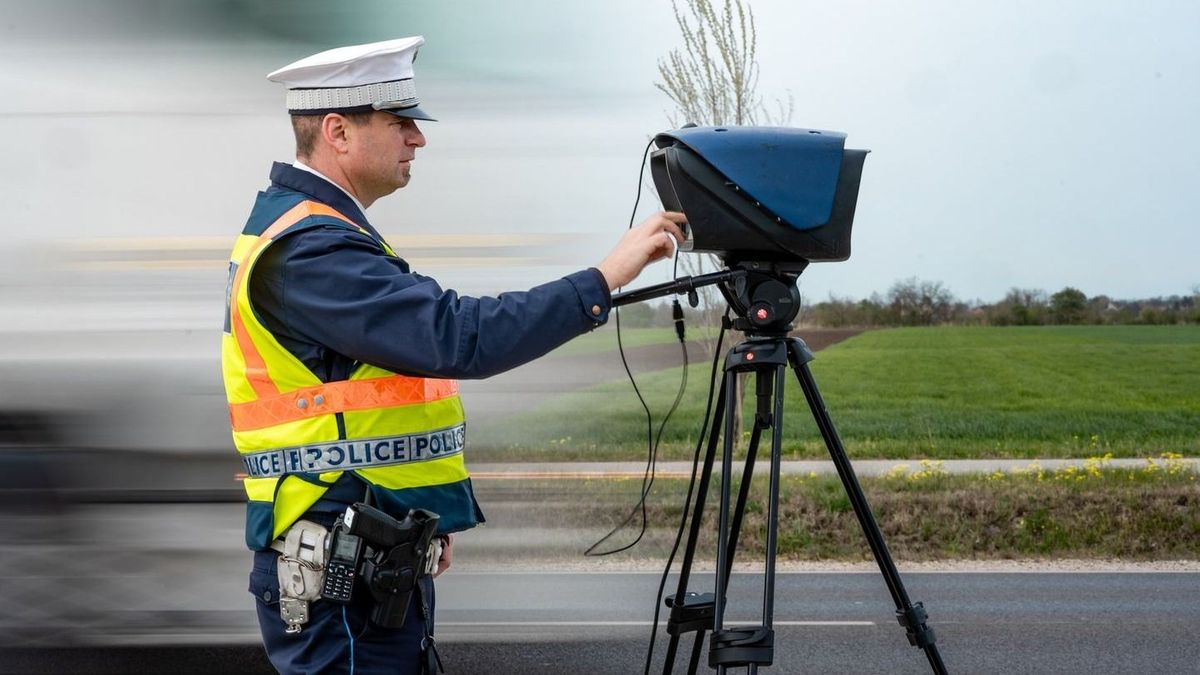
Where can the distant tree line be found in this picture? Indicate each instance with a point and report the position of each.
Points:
(918, 302)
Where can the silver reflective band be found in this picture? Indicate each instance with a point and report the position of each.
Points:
(360, 453)
(394, 94)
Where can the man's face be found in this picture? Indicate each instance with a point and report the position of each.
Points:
(381, 153)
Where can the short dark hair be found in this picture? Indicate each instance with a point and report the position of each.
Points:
(308, 127)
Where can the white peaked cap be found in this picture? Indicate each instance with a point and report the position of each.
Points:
(376, 76)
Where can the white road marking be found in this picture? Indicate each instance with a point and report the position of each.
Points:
(544, 624)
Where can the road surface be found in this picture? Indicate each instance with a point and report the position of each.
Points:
(829, 623)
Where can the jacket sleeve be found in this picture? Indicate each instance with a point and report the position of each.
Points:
(338, 289)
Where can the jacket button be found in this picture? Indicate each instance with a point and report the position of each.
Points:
(267, 596)
(302, 404)
(595, 310)
(318, 399)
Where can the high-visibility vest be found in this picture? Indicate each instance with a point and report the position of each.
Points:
(296, 435)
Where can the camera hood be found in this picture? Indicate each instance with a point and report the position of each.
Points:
(764, 194)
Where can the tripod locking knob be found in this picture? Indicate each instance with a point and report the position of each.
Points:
(761, 315)
(913, 619)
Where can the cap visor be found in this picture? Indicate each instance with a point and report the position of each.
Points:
(413, 113)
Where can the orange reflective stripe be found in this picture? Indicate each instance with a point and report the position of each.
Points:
(256, 368)
(335, 397)
(299, 212)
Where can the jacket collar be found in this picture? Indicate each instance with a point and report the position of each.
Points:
(289, 177)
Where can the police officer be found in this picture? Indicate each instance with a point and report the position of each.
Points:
(339, 360)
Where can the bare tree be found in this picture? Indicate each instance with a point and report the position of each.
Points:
(713, 80)
(1020, 307)
(915, 302)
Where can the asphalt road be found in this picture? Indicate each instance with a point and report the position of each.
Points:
(534, 623)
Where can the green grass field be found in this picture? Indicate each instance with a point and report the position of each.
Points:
(952, 392)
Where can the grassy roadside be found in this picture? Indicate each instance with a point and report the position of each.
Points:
(1151, 513)
(940, 393)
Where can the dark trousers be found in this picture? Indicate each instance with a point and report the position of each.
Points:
(337, 638)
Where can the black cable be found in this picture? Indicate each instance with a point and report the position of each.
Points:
(662, 584)
(641, 176)
(652, 439)
(648, 476)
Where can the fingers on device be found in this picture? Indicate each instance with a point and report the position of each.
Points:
(388, 555)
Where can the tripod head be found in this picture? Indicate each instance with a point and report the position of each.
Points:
(763, 295)
(765, 298)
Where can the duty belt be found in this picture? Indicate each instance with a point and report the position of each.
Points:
(361, 453)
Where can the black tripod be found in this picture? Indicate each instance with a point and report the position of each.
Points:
(766, 303)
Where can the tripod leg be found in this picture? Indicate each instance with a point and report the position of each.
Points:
(714, 433)
(722, 580)
(694, 534)
(769, 384)
(766, 415)
(911, 616)
(669, 662)
(743, 493)
(697, 646)
(773, 503)
(746, 646)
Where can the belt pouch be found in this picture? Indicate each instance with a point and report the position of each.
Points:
(301, 570)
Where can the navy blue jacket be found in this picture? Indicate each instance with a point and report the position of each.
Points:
(333, 299)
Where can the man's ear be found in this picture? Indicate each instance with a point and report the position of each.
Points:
(335, 132)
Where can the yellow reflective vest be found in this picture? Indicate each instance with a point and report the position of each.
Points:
(402, 435)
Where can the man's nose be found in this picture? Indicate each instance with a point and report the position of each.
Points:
(414, 137)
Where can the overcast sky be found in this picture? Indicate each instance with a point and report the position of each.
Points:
(1028, 144)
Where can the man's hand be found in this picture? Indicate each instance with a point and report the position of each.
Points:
(443, 562)
(642, 245)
